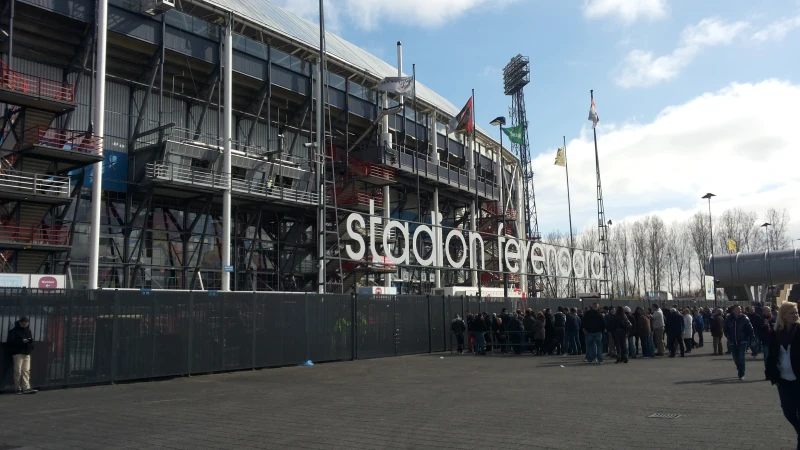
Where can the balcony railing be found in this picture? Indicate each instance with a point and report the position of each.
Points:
(36, 86)
(41, 234)
(195, 176)
(266, 189)
(73, 140)
(35, 183)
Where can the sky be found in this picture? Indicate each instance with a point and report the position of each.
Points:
(693, 96)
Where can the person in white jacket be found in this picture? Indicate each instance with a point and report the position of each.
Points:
(687, 329)
(657, 325)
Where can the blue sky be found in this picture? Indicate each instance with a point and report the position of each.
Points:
(674, 80)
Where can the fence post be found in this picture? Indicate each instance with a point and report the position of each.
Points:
(189, 341)
(115, 337)
(444, 326)
(68, 340)
(430, 323)
(253, 332)
(354, 326)
(153, 335)
(393, 299)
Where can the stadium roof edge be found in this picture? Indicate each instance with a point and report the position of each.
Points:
(285, 25)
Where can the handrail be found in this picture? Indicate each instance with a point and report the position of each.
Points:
(36, 86)
(187, 174)
(268, 189)
(74, 140)
(35, 183)
(41, 234)
(446, 165)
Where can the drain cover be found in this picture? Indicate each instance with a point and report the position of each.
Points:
(663, 416)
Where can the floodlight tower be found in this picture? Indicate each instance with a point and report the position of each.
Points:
(516, 75)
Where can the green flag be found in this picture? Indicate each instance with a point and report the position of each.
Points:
(514, 134)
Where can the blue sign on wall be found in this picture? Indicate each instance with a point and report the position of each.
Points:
(115, 172)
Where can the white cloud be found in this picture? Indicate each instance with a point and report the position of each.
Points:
(627, 11)
(777, 30)
(735, 143)
(369, 14)
(641, 68)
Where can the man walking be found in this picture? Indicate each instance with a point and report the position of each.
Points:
(657, 324)
(20, 344)
(717, 330)
(593, 328)
(458, 328)
(738, 331)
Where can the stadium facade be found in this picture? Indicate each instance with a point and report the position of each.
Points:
(166, 140)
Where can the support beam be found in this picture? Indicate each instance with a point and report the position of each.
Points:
(207, 100)
(227, 64)
(99, 130)
(155, 62)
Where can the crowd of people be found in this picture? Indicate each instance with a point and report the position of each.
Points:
(620, 333)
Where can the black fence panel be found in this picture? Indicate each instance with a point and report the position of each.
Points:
(411, 315)
(375, 327)
(439, 322)
(329, 337)
(208, 337)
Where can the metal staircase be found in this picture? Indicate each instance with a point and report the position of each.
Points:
(35, 160)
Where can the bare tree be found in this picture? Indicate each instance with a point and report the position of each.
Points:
(621, 249)
(700, 234)
(739, 225)
(683, 254)
(656, 243)
(776, 232)
(639, 247)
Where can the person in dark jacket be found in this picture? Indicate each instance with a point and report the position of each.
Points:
(580, 334)
(549, 331)
(782, 365)
(618, 327)
(515, 331)
(673, 323)
(717, 326)
(738, 331)
(528, 324)
(539, 334)
(458, 327)
(612, 347)
(19, 343)
(560, 332)
(573, 330)
(644, 332)
(593, 328)
(470, 333)
(756, 319)
(766, 331)
(633, 342)
(478, 330)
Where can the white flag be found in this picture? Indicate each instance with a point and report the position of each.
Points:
(397, 85)
(593, 115)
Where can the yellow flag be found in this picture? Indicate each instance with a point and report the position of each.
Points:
(560, 160)
(731, 245)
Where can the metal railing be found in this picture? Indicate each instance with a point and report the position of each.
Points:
(36, 86)
(41, 234)
(35, 183)
(187, 174)
(74, 140)
(268, 190)
(460, 171)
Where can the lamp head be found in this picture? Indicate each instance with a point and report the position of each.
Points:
(708, 196)
(766, 224)
(500, 121)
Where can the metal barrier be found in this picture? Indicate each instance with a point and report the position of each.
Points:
(74, 140)
(89, 337)
(35, 234)
(187, 174)
(36, 86)
(35, 183)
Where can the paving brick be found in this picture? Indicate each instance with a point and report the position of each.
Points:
(461, 401)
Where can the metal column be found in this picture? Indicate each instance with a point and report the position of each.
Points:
(226, 168)
(99, 130)
(434, 154)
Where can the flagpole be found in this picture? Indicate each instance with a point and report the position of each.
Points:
(600, 208)
(569, 209)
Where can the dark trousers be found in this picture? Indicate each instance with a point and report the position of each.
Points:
(789, 392)
(460, 340)
(558, 337)
(621, 341)
(700, 337)
(672, 341)
(688, 344)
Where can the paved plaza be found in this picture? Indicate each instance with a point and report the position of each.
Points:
(419, 402)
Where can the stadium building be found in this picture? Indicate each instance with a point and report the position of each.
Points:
(187, 88)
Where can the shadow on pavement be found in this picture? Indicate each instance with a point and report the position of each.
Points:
(718, 381)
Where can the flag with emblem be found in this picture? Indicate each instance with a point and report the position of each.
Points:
(560, 161)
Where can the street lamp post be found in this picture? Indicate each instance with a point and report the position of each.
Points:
(711, 231)
(766, 226)
(499, 122)
(611, 293)
(669, 270)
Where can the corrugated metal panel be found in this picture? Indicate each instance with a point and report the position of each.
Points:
(37, 69)
(133, 25)
(282, 21)
(210, 124)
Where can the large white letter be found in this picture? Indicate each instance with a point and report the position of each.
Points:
(564, 252)
(511, 256)
(537, 258)
(480, 253)
(578, 263)
(597, 257)
(500, 239)
(524, 245)
(354, 217)
(460, 263)
(403, 259)
(373, 223)
(426, 229)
